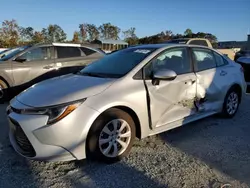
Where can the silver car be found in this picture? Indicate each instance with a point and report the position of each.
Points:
(135, 92)
(25, 66)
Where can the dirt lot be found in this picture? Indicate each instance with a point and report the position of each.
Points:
(208, 153)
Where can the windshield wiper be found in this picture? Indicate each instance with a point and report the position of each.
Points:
(100, 75)
(93, 74)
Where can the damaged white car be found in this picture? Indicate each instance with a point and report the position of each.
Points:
(135, 92)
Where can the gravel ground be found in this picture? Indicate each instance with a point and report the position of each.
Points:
(208, 153)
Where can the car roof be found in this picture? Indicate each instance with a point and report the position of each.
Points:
(156, 46)
(63, 44)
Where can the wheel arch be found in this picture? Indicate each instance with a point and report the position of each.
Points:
(237, 88)
(134, 117)
(132, 113)
(3, 79)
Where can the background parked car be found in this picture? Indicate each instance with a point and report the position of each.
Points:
(28, 65)
(3, 51)
(245, 63)
(10, 51)
(242, 53)
(203, 42)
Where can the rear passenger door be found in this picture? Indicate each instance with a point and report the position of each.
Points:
(68, 56)
(70, 59)
(212, 78)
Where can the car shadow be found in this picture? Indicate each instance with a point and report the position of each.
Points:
(119, 174)
(90, 174)
(223, 144)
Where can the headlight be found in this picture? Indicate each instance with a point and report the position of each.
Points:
(55, 113)
(58, 113)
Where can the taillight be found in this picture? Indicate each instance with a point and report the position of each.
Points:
(242, 69)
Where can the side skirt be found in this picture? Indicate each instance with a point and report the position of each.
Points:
(180, 122)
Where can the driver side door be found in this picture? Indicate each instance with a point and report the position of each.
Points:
(171, 100)
(36, 62)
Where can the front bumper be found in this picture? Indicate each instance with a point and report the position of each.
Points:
(62, 141)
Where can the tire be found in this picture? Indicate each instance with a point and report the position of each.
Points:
(232, 95)
(3, 85)
(100, 139)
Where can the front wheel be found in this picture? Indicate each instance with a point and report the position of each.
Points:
(231, 103)
(111, 136)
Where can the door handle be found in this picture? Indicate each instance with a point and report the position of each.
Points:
(223, 73)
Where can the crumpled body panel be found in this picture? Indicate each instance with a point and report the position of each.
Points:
(172, 100)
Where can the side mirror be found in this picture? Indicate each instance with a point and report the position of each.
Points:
(20, 59)
(164, 74)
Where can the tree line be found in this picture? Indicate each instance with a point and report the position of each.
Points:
(11, 34)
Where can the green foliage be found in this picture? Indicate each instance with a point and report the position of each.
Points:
(168, 35)
(76, 38)
(54, 33)
(9, 33)
(130, 36)
(83, 33)
(12, 35)
(188, 32)
(26, 34)
(92, 32)
(109, 31)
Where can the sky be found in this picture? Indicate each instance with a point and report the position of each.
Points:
(229, 20)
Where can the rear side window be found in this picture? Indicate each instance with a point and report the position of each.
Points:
(67, 52)
(204, 59)
(220, 61)
(199, 42)
(87, 51)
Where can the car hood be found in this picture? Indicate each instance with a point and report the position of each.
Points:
(63, 89)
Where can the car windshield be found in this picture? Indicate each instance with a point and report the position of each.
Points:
(117, 64)
(11, 53)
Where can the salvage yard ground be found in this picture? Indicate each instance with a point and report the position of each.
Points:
(208, 153)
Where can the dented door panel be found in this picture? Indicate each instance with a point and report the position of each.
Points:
(212, 86)
(172, 100)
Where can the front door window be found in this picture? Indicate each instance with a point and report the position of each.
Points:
(37, 54)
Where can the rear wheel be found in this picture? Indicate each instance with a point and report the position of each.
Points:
(3, 85)
(231, 103)
(111, 136)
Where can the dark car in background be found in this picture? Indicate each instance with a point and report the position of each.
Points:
(28, 65)
(241, 53)
(245, 63)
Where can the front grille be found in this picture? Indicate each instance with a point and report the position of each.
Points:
(22, 141)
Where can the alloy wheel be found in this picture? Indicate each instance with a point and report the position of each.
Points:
(232, 103)
(115, 138)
